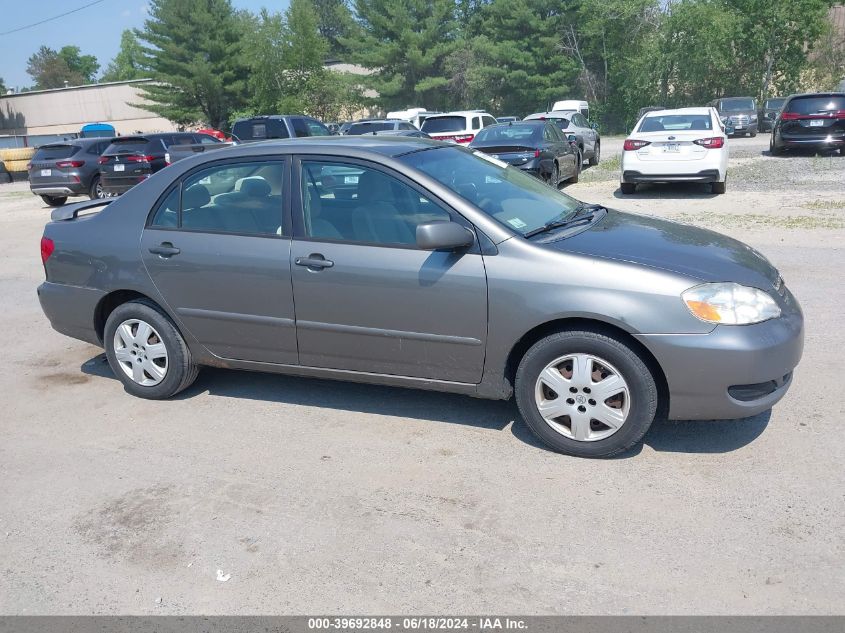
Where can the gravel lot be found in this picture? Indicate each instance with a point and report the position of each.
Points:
(328, 497)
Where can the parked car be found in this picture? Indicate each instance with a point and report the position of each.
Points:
(506, 119)
(378, 125)
(409, 133)
(178, 151)
(536, 147)
(414, 116)
(264, 127)
(457, 127)
(445, 270)
(573, 123)
(813, 121)
(683, 145)
(61, 170)
(97, 130)
(643, 111)
(740, 113)
(129, 160)
(573, 105)
(769, 112)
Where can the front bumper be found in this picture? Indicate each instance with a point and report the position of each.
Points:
(71, 309)
(755, 362)
(705, 175)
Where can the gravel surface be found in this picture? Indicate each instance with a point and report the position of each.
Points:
(321, 497)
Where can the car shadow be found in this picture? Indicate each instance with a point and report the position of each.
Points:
(686, 436)
(678, 191)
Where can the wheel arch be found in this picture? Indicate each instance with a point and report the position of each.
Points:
(116, 298)
(591, 325)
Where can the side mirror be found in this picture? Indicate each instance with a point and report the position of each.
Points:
(594, 126)
(571, 138)
(437, 236)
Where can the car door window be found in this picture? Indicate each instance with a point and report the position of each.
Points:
(316, 129)
(242, 198)
(359, 204)
(476, 123)
(488, 120)
(205, 139)
(549, 134)
(299, 127)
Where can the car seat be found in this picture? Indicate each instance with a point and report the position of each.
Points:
(376, 218)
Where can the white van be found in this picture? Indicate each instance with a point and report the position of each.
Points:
(573, 105)
(414, 116)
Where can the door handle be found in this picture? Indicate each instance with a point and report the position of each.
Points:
(315, 260)
(165, 249)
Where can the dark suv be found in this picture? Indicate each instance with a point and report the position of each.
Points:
(769, 112)
(261, 128)
(60, 170)
(129, 160)
(815, 121)
(739, 113)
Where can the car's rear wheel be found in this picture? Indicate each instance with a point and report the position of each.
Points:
(54, 201)
(585, 394)
(719, 187)
(628, 188)
(578, 166)
(752, 134)
(554, 177)
(96, 191)
(146, 351)
(596, 155)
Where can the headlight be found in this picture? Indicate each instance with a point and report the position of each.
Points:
(730, 304)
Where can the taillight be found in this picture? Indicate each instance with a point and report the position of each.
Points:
(70, 163)
(28, 166)
(711, 143)
(632, 144)
(47, 248)
(465, 138)
(536, 153)
(102, 160)
(138, 159)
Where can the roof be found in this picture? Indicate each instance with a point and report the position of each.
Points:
(551, 114)
(459, 113)
(697, 110)
(383, 145)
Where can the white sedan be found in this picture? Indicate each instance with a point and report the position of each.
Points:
(683, 145)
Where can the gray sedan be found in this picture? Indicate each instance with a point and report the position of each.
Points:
(575, 124)
(414, 263)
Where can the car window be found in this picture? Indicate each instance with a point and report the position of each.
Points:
(737, 105)
(316, 129)
(476, 123)
(182, 140)
(453, 123)
(358, 204)
(676, 122)
(510, 132)
(299, 127)
(548, 134)
(244, 198)
(817, 105)
(579, 120)
(53, 152)
(488, 120)
(205, 139)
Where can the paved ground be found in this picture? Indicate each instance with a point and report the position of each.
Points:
(328, 497)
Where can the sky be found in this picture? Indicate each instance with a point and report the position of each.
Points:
(96, 29)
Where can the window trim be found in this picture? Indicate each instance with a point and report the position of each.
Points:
(298, 206)
(284, 159)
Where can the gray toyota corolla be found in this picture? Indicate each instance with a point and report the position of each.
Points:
(414, 263)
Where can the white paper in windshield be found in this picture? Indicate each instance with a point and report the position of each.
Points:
(490, 159)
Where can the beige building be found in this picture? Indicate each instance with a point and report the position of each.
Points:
(66, 110)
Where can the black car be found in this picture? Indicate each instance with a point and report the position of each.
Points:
(60, 170)
(263, 127)
(769, 112)
(814, 121)
(129, 160)
(537, 147)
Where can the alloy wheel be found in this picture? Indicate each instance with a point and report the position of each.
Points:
(140, 352)
(582, 397)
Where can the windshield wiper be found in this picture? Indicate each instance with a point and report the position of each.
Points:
(582, 214)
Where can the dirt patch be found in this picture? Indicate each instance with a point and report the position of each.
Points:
(64, 378)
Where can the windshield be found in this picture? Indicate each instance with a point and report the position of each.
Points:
(774, 104)
(737, 105)
(510, 133)
(676, 122)
(444, 124)
(519, 201)
(817, 105)
(129, 146)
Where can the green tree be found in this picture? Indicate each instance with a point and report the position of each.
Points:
(335, 23)
(193, 51)
(55, 69)
(406, 44)
(128, 63)
(2, 86)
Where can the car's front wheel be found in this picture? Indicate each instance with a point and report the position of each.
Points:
(96, 191)
(54, 201)
(146, 351)
(585, 394)
(596, 155)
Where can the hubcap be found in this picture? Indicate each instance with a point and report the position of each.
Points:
(98, 190)
(582, 397)
(140, 352)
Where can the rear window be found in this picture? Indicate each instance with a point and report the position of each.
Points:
(260, 129)
(816, 105)
(676, 122)
(369, 127)
(53, 152)
(129, 146)
(510, 133)
(444, 124)
(737, 105)
(774, 104)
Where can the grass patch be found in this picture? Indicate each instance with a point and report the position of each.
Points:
(824, 205)
(759, 221)
(607, 169)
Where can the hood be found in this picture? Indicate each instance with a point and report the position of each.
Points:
(687, 250)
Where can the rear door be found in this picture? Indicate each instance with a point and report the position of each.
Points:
(218, 250)
(50, 165)
(367, 299)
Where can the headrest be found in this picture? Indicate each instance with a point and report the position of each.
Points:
(255, 187)
(195, 196)
(374, 187)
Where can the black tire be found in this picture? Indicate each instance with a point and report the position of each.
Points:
(95, 191)
(54, 201)
(627, 188)
(774, 150)
(719, 187)
(642, 389)
(578, 164)
(181, 369)
(594, 159)
(554, 177)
